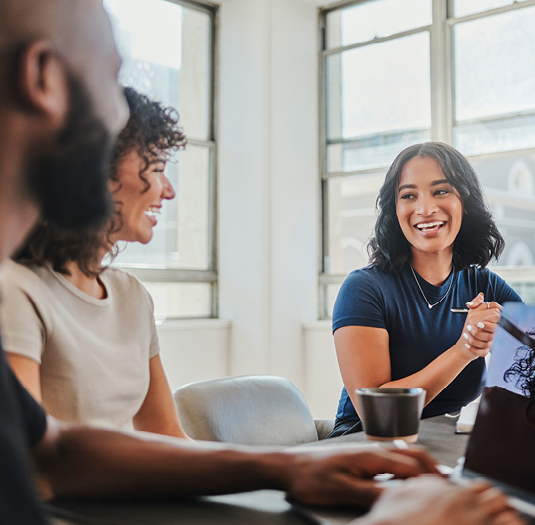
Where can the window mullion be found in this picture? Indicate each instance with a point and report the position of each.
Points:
(440, 77)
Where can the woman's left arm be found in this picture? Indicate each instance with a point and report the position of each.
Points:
(158, 413)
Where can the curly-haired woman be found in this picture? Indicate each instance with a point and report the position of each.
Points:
(392, 321)
(81, 337)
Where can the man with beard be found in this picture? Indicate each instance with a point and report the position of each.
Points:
(60, 107)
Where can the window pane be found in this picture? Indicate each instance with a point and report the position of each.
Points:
(351, 209)
(181, 239)
(379, 96)
(509, 185)
(331, 295)
(467, 7)
(194, 209)
(495, 81)
(366, 21)
(173, 300)
(495, 135)
(166, 53)
(372, 152)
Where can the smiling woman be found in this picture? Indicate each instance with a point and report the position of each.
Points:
(392, 321)
(81, 337)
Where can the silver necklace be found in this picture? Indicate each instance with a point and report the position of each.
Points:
(423, 295)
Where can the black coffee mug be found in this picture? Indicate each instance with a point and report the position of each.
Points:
(391, 413)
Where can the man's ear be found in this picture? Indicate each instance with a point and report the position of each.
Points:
(42, 82)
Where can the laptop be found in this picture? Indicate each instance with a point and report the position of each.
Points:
(501, 447)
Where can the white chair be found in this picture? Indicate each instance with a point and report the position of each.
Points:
(249, 410)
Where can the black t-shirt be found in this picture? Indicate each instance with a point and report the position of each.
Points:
(22, 426)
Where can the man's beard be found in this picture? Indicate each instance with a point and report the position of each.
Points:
(70, 184)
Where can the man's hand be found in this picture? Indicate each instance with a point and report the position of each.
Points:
(344, 476)
(431, 500)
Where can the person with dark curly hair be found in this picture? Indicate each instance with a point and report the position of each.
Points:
(80, 336)
(392, 321)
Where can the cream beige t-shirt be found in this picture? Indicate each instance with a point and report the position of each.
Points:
(94, 354)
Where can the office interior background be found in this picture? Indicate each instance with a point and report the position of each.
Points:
(293, 110)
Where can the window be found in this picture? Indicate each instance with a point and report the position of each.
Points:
(396, 73)
(168, 48)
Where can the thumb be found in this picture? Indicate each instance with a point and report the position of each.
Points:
(474, 303)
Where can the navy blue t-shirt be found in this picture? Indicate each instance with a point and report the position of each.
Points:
(417, 334)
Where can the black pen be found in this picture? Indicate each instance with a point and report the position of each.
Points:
(459, 310)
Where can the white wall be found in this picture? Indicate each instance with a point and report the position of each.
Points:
(194, 350)
(268, 181)
(269, 196)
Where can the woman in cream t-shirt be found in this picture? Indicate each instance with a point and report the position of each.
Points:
(81, 337)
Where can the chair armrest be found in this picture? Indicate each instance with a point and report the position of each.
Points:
(324, 427)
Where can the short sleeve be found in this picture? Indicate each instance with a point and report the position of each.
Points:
(360, 302)
(503, 293)
(23, 331)
(154, 341)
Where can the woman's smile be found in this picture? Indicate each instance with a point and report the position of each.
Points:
(430, 227)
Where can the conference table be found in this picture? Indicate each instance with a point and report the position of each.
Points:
(256, 508)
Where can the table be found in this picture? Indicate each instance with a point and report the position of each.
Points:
(437, 434)
(254, 508)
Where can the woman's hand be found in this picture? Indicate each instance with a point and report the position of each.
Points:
(479, 327)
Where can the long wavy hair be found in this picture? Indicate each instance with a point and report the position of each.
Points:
(478, 240)
(152, 130)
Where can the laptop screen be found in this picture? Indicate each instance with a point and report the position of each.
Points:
(502, 443)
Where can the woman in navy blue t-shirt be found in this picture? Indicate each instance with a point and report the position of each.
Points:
(392, 321)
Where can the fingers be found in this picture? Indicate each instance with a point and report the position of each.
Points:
(484, 320)
(478, 333)
(479, 302)
(401, 463)
(508, 517)
(422, 457)
(494, 504)
(493, 501)
(476, 301)
(357, 492)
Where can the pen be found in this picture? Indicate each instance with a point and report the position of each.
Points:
(459, 310)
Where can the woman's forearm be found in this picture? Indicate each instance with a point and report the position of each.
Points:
(438, 374)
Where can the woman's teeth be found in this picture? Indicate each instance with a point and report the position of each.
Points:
(152, 212)
(428, 226)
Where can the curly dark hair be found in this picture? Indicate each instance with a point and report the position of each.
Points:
(478, 240)
(522, 371)
(152, 130)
